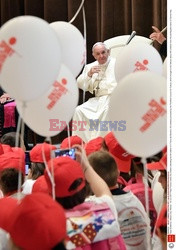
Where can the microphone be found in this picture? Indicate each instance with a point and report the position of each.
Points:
(131, 37)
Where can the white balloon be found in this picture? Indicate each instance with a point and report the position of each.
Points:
(72, 44)
(30, 57)
(49, 114)
(139, 104)
(136, 57)
(164, 73)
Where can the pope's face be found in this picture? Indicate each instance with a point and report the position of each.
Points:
(100, 54)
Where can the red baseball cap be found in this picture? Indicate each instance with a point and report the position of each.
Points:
(70, 141)
(159, 165)
(13, 160)
(7, 206)
(40, 185)
(66, 171)
(36, 153)
(37, 223)
(93, 145)
(164, 150)
(6, 148)
(122, 157)
(1, 149)
(19, 151)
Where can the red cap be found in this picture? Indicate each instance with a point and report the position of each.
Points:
(40, 185)
(19, 151)
(164, 150)
(38, 223)
(93, 145)
(7, 206)
(73, 140)
(123, 165)
(13, 160)
(66, 171)
(162, 218)
(36, 154)
(122, 157)
(6, 148)
(159, 165)
(1, 149)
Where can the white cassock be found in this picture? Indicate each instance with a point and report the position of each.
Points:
(94, 111)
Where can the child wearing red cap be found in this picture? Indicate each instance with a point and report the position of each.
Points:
(11, 138)
(7, 205)
(37, 222)
(39, 154)
(12, 168)
(90, 224)
(133, 220)
(40, 185)
(93, 145)
(71, 141)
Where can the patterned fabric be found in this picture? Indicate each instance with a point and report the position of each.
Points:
(89, 223)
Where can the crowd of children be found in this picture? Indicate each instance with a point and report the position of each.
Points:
(93, 201)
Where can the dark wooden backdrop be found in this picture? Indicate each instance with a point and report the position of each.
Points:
(104, 18)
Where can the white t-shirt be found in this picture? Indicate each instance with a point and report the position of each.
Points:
(134, 221)
(3, 239)
(27, 186)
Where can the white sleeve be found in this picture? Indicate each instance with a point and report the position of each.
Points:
(104, 198)
(84, 81)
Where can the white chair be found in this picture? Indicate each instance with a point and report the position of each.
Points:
(115, 44)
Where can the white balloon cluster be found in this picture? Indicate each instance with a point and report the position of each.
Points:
(38, 66)
(140, 100)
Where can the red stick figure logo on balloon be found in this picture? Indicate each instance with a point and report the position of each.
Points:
(141, 66)
(6, 50)
(57, 92)
(156, 110)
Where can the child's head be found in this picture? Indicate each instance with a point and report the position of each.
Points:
(38, 222)
(36, 170)
(41, 152)
(104, 164)
(10, 165)
(9, 179)
(70, 189)
(93, 145)
(122, 157)
(71, 141)
(10, 139)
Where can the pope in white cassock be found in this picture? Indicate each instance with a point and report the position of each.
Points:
(98, 78)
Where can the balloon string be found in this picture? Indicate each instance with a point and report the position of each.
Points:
(85, 34)
(143, 160)
(50, 174)
(85, 38)
(146, 185)
(68, 134)
(51, 177)
(77, 12)
(20, 125)
(85, 41)
(18, 130)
